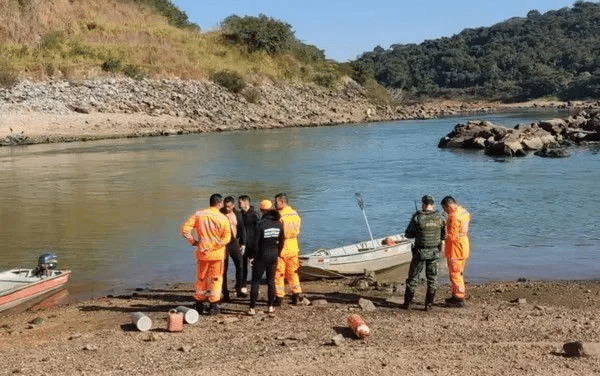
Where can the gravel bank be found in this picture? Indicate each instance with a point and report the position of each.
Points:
(61, 111)
(507, 328)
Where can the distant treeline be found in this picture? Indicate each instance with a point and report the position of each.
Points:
(555, 54)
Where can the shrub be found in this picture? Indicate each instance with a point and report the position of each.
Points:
(327, 75)
(8, 75)
(325, 79)
(134, 72)
(308, 53)
(8, 79)
(111, 65)
(49, 68)
(377, 94)
(52, 40)
(260, 33)
(232, 81)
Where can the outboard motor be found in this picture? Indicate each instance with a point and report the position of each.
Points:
(46, 262)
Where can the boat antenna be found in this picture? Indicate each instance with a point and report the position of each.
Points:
(361, 205)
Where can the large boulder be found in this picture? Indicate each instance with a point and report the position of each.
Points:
(471, 135)
(508, 146)
(554, 126)
(535, 138)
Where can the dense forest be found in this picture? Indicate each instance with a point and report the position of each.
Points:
(555, 54)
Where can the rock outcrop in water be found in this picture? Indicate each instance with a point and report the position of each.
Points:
(548, 138)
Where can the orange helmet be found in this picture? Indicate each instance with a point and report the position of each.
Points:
(265, 205)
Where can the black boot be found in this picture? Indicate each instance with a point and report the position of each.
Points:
(408, 297)
(295, 299)
(200, 307)
(213, 309)
(455, 302)
(278, 302)
(429, 298)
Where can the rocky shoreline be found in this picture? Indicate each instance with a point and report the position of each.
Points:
(549, 138)
(63, 111)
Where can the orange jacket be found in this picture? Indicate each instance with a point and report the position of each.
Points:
(213, 231)
(457, 227)
(290, 224)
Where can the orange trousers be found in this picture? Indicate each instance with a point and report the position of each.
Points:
(456, 268)
(287, 269)
(209, 280)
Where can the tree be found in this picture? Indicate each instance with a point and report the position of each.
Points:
(531, 56)
(260, 33)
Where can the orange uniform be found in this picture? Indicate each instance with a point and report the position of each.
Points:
(288, 262)
(214, 232)
(457, 248)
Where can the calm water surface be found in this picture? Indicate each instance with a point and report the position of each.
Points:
(112, 209)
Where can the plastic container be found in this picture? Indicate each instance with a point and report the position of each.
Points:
(175, 321)
(358, 326)
(141, 321)
(190, 315)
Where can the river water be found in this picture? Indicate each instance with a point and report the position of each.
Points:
(112, 209)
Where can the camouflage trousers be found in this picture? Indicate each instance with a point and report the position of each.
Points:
(417, 264)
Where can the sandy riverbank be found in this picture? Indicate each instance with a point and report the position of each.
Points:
(512, 328)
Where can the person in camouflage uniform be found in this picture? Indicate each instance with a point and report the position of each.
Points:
(428, 228)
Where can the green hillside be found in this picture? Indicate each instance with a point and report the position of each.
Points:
(77, 39)
(555, 54)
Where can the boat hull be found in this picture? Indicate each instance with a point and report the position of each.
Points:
(18, 287)
(355, 259)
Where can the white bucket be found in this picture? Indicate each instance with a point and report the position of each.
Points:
(190, 315)
(141, 321)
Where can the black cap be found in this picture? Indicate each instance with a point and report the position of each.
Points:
(427, 200)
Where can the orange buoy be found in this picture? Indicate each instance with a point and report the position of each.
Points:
(358, 326)
(389, 241)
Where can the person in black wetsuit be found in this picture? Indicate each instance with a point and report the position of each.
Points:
(269, 241)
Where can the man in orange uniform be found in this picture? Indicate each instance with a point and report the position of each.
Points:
(288, 262)
(457, 248)
(214, 233)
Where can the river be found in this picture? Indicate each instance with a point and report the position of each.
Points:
(112, 209)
